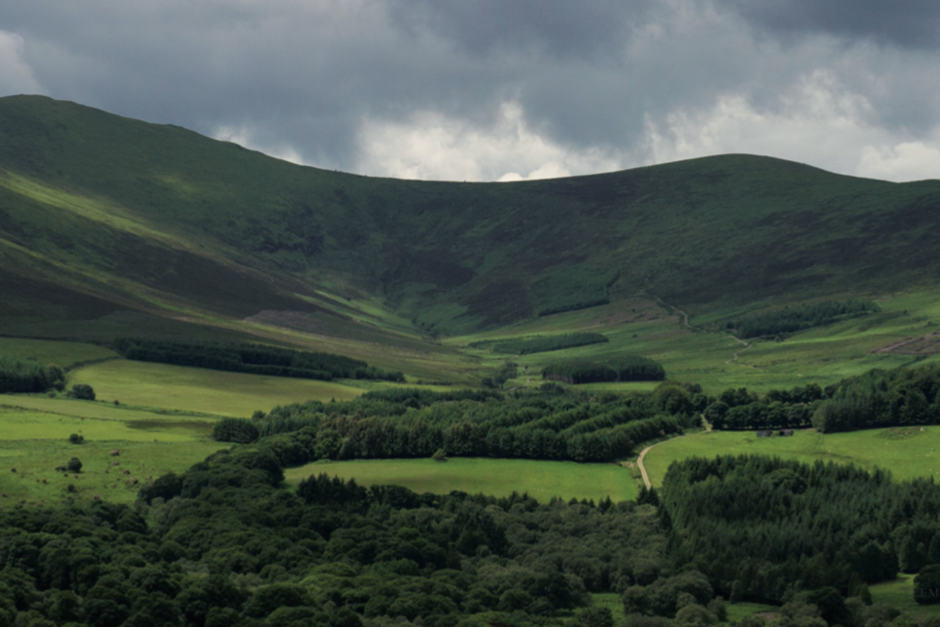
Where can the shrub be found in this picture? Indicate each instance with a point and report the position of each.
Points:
(76, 438)
(82, 391)
(927, 585)
(74, 465)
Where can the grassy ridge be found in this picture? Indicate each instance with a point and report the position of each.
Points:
(451, 257)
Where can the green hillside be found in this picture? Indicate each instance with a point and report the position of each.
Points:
(110, 225)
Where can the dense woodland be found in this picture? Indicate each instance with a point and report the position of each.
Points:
(761, 528)
(251, 358)
(227, 544)
(795, 318)
(549, 423)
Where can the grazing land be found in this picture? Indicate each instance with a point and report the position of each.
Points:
(196, 389)
(34, 440)
(541, 480)
(907, 452)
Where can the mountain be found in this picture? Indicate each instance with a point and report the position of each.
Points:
(104, 218)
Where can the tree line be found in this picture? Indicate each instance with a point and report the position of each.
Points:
(18, 376)
(550, 423)
(798, 317)
(880, 398)
(624, 368)
(251, 358)
(546, 343)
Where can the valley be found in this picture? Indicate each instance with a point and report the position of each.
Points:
(457, 452)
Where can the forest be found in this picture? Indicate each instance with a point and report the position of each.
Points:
(760, 528)
(798, 317)
(547, 423)
(228, 543)
(251, 358)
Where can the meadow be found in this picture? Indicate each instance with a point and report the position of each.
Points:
(907, 452)
(183, 388)
(541, 480)
(696, 350)
(34, 440)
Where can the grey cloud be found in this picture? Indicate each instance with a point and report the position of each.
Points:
(305, 74)
(908, 23)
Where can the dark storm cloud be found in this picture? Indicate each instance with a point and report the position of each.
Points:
(558, 28)
(305, 78)
(908, 23)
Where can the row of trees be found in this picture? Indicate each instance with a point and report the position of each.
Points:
(545, 343)
(18, 376)
(549, 424)
(251, 358)
(880, 398)
(625, 368)
(798, 317)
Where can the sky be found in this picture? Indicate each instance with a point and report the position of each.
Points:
(488, 90)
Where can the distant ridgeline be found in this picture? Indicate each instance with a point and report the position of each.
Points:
(251, 358)
(798, 317)
(545, 343)
(548, 423)
(625, 368)
(29, 376)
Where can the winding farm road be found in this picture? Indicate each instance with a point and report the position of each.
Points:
(639, 463)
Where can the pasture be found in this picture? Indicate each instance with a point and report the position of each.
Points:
(34, 440)
(541, 480)
(907, 452)
(702, 353)
(148, 384)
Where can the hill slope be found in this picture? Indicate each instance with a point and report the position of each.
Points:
(100, 213)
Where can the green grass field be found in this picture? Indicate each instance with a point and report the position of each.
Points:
(715, 359)
(34, 440)
(197, 389)
(112, 478)
(899, 594)
(907, 452)
(497, 477)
